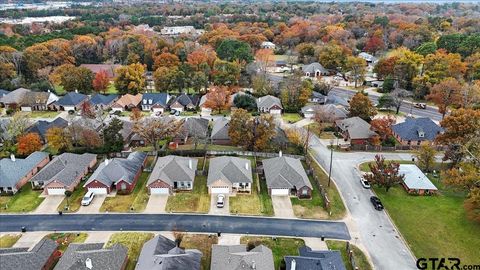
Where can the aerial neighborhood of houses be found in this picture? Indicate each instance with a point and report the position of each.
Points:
(238, 136)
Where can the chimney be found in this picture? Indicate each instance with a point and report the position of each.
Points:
(76, 90)
(293, 265)
(12, 157)
(190, 164)
(88, 263)
(280, 154)
(246, 166)
(106, 161)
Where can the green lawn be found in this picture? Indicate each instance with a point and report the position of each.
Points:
(75, 200)
(25, 200)
(64, 239)
(188, 113)
(197, 200)
(358, 255)
(365, 168)
(280, 247)
(215, 147)
(43, 114)
(122, 203)
(203, 243)
(291, 117)
(314, 128)
(8, 240)
(252, 204)
(133, 242)
(111, 89)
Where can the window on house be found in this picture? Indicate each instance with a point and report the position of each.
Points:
(304, 191)
(123, 186)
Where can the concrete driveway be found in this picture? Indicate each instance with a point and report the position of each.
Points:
(94, 207)
(282, 207)
(29, 239)
(214, 210)
(49, 205)
(156, 204)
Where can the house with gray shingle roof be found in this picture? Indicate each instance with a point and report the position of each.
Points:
(185, 102)
(328, 112)
(72, 101)
(193, 130)
(93, 256)
(100, 101)
(238, 257)
(269, 104)
(40, 257)
(172, 173)
(16, 172)
(41, 127)
(219, 133)
(314, 70)
(37, 101)
(356, 130)
(227, 175)
(309, 259)
(14, 98)
(63, 173)
(286, 176)
(155, 102)
(118, 173)
(161, 253)
(416, 131)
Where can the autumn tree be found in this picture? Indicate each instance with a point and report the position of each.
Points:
(101, 81)
(166, 59)
(153, 130)
(261, 85)
(442, 65)
(73, 78)
(218, 98)
(426, 157)
(168, 79)
(203, 55)
(264, 58)
(407, 66)
(294, 93)
(59, 139)
(90, 139)
(226, 73)
(136, 115)
(252, 133)
(87, 111)
(361, 106)
(85, 49)
(385, 67)
(238, 128)
(130, 79)
(357, 67)
(384, 173)
(472, 205)
(446, 93)
(28, 143)
(332, 56)
(383, 126)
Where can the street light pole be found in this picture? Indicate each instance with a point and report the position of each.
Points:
(331, 160)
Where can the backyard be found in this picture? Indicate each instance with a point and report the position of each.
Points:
(358, 255)
(133, 242)
(203, 243)
(8, 240)
(25, 200)
(137, 200)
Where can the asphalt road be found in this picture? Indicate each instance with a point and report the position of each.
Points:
(170, 222)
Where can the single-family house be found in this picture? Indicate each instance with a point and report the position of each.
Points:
(3, 93)
(13, 99)
(16, 172)
(155, 102)
(415, 181)
(329, 112)
(314, 70)
(309, 259)
(41, 127)
(37, 101)
(161, 253)
(40, 257)
(172, 173)
(226, 257)
(109, 69)
(185, 102)
(269, 104)
(317, 97)
(204, 110)
(267, 45)
(356, 130)
(177, 30)
(228, 175)
(63, 173)
(127, 102)
(285, 176)
(118, 173)
(93, 256)
(72, 101)
(370, 59)
(193, 130)
(219, 133)
(416, 131)
(100, 101)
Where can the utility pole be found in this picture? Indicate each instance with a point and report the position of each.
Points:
(331, 160)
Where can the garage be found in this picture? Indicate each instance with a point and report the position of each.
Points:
(98, 191)
(279, 191)
(220, 190)
(56, 191)
(275, 111)
(159, 191)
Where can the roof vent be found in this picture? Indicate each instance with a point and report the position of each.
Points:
(280, 154)
(88, 263)
(246, 165)
(254, 265)
(190, 164)
(76, 90)
(293, 265)
(106, 161)
(12, 157)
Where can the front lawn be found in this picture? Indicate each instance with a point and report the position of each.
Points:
(8, 240)
(43, 114)
(123, 203)
(64, 239)
(203, 243)
(365, 168)
(197, 200)
(25, 200)
(75, 200)
(252, 204)
(358, 255)
(291, 117)
(133, 241)
(315, 129)
(280, 246)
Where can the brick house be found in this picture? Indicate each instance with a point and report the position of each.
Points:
(16, 172)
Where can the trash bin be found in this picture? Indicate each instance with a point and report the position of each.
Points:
(60, 213)
(24, 229)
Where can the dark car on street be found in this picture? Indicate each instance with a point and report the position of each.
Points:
(376, 203)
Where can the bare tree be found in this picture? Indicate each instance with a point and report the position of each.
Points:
(398, 95)
(153, 130)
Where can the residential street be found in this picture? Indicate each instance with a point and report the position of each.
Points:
(169, 222)
(375, 230)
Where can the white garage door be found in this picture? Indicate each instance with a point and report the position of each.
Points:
(56, 191)
(279, 191)
(98, 191)
(159, 191)
(275, 111)
(220, 190)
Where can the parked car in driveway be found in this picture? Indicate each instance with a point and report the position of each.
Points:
(220, 200)
(376, 203)
(364, 183)
(88, 198)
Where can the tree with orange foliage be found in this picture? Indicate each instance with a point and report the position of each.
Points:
(203, 55)
(446, 93)
(374, 44)
(90, 139)
(263, 57)
(218, 98)
(28, 144)
(166, 59)
(101, 81)
(383, 126)
(136, 115)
